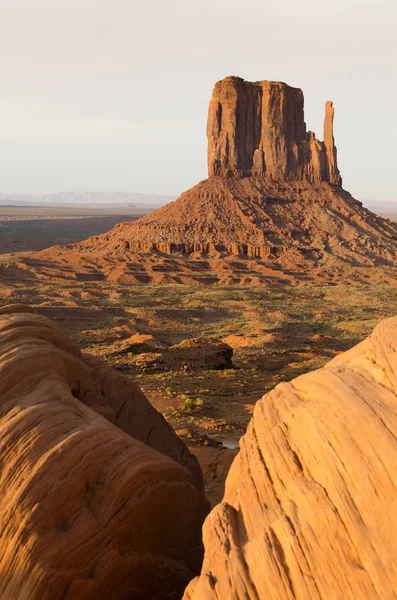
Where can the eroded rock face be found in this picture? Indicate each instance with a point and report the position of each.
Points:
(309, 507)
(98, 496)
(258, 129)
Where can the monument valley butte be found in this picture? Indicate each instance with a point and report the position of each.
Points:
(272, 210)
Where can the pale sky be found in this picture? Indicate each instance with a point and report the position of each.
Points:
(113, 94)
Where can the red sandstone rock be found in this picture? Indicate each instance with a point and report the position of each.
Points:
(258, 129)
(309, 506)
(98, 496)
(332, 172)
(272, 210)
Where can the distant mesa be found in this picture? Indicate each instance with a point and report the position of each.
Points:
(272, 210)
(78, 198)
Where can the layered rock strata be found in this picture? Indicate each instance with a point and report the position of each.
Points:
(98, 496)
(258, 129)
(309, 506)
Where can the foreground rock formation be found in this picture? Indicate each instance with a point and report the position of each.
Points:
(271, 211)
(309, 506)
(98, 496)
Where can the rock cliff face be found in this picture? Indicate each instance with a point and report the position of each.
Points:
(258, 129)
(309, 507)
(98, 496)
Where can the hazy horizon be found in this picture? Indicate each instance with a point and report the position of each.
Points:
(113, 95)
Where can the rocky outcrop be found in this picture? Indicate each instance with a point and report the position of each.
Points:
(258, 129)
(98, 496)
(203, 353)
(194, 354)
(309, 507)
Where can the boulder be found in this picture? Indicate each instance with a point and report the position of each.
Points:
(203, 353)
(98, 496)
(193, 354)
(309, 506)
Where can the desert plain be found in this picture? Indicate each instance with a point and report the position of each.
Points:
(274, 334)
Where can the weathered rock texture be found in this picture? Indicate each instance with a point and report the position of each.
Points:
(98, 496)
(258, 129)
(309, 506)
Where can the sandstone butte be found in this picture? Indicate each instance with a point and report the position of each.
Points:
(272, 210)
(309, 511)
(99, 499)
